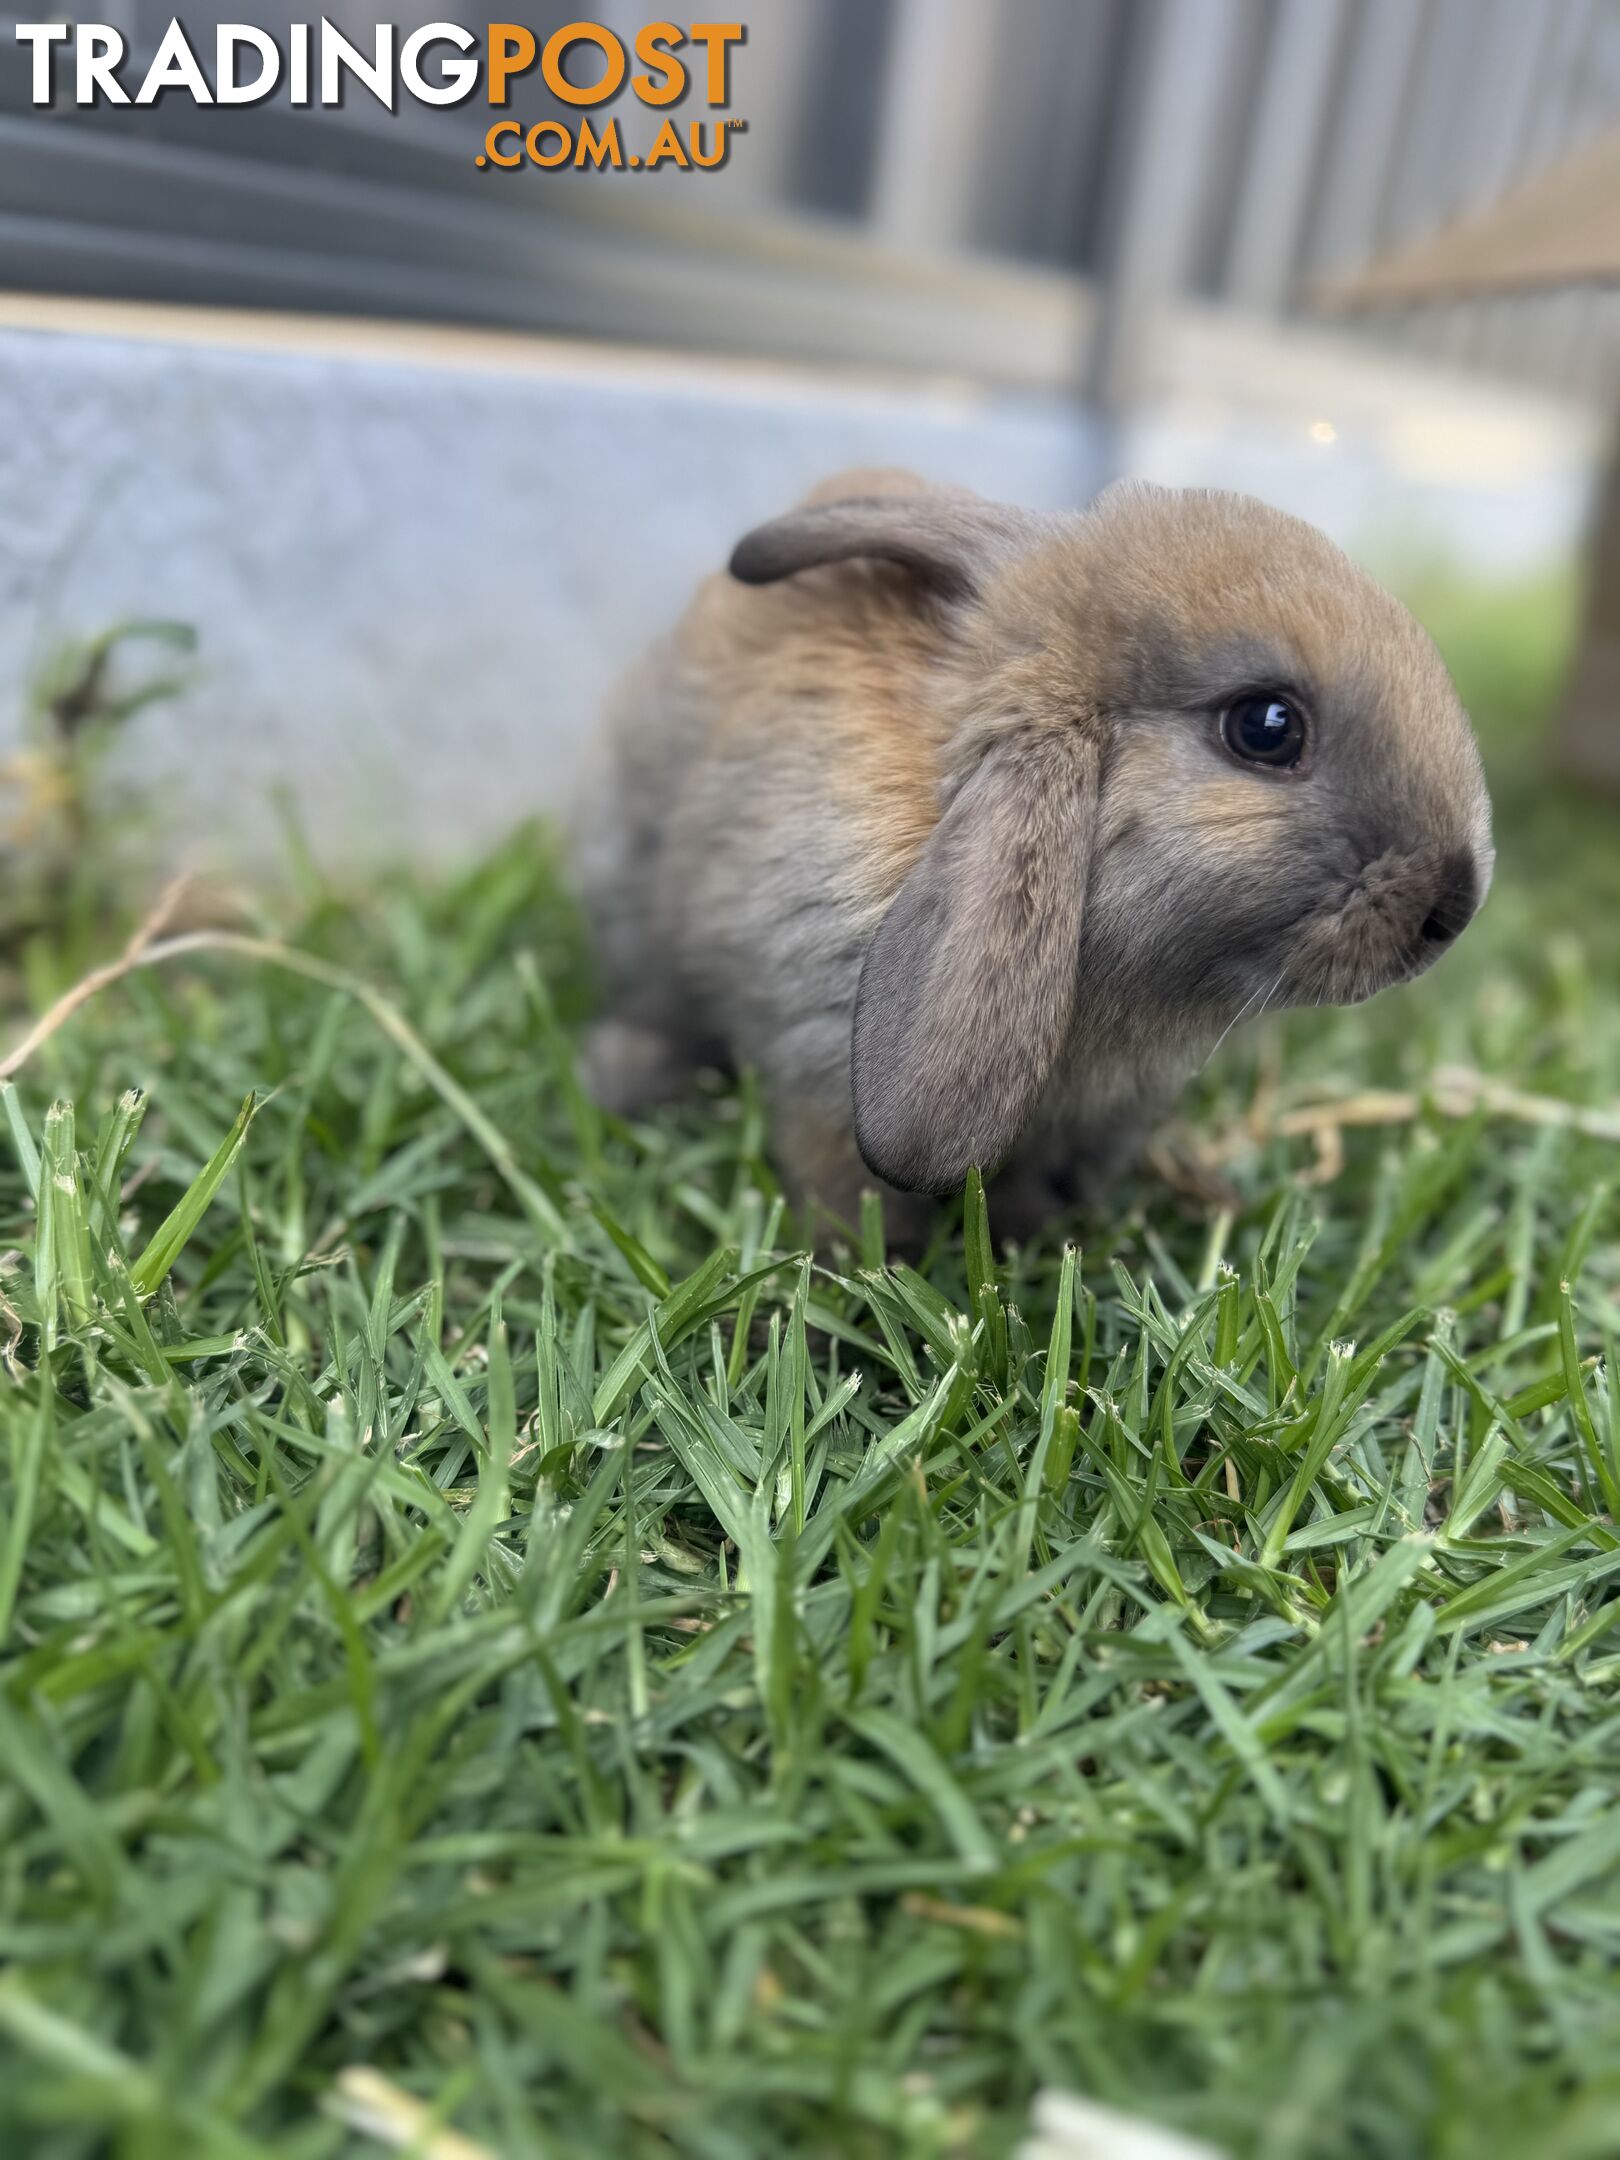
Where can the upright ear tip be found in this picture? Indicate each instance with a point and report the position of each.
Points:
(754, 561)
(939, 539)
(802, 539)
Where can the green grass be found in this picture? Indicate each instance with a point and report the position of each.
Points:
(479, 1604)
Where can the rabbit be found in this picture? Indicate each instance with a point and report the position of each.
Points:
(975, 830)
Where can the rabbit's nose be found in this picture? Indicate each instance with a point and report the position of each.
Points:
(1452, 904)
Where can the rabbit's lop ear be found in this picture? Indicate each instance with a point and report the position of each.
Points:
(946, 541)
(968, 987)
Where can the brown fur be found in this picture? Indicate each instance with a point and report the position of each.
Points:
(925, 812)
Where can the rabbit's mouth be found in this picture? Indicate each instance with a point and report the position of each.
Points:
(1390, 924)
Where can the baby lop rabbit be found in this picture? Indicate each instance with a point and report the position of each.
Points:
(974, 830)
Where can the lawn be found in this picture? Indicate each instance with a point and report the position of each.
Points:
(501, 1649)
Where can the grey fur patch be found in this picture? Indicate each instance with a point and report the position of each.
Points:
(966, 995)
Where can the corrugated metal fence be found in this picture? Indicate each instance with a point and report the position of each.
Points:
(916, 176)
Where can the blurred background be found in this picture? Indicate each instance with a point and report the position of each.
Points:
(401, 458)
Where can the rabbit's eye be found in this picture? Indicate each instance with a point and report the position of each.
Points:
(1264, 730)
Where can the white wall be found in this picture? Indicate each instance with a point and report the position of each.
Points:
(415, 559)
(413, 578)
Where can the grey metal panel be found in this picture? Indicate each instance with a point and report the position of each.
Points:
(1177, 103)
(1232, 133)
(937, 143)
(1364, 123)
(1290, 104)
(1054, 96)
(1240, 153)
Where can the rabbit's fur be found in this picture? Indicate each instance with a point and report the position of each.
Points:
(924, 810)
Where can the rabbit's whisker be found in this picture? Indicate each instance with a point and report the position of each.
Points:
(1240, 1013)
